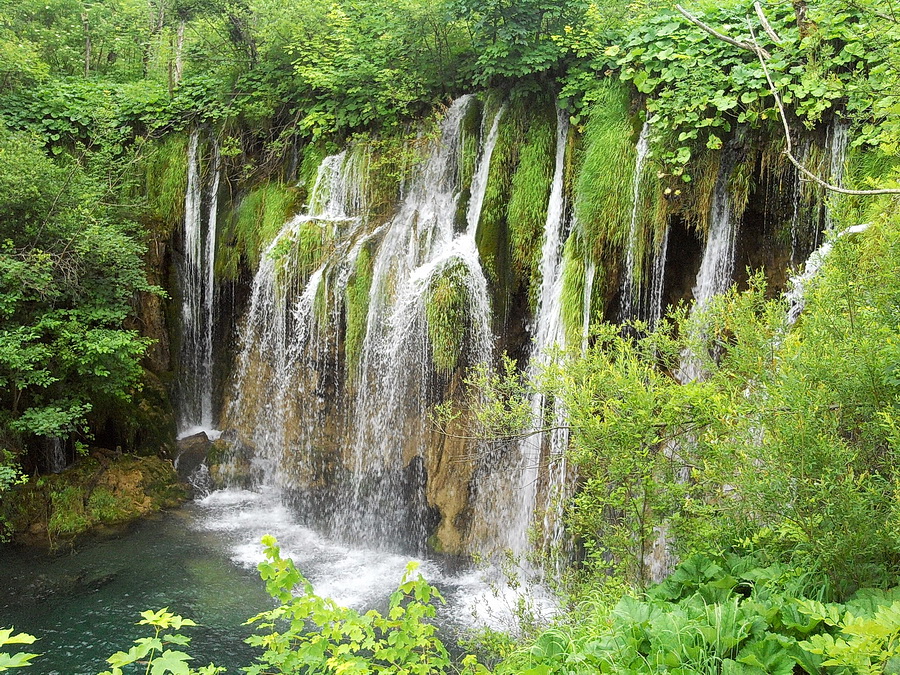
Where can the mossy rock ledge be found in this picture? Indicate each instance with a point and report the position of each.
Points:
(102, 490)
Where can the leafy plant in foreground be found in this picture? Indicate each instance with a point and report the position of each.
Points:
(159, 659)
(19, 660)
(323, 637)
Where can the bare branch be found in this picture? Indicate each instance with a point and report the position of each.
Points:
(755, 48)
(765, 23)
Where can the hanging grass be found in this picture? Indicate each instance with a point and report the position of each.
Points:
(258, 217)
(492, 237)
(445, 312)
(311, 159)
(164, 169)
(468, 159)
(357, 309)
(299, 255)
(865, 169)
(605, 179)
(576, 306)
(530, 192)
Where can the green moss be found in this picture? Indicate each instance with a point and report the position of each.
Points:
(313, 154)
(573, 285)
(357, 309)
(740, 184)
(164, 170)
(300, 253)
(258, 217)
(530, 193)
(98, 490)
(605, 179)
(445, 312)
(491, 236)
(468, 159)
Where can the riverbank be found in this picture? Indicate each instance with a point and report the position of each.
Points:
(103, 490)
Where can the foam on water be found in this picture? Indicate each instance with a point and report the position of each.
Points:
(357, 577)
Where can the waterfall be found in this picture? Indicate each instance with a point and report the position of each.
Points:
(800, 282)
(801, 229)
(389, 413)
(631, 286)
(346, 442)
(838, 141)
(197, 285)
(279, 381)
(658, 279)
(717, 263)
(515, 513)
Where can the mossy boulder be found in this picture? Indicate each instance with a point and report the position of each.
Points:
(101, 490)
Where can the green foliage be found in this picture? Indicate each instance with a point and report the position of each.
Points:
(357, 308)
(788, 439)
(310, 634)
(69, 268)
(372, 63)
(699, 88)
(21, 659)
(868, 643)
(516, 39)
(446, 313)
(724, 614)
(152, 654)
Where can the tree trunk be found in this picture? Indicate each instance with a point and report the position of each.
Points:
(85, 24)
(179, 49)
(801, 11)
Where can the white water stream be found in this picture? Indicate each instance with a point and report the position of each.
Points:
(197, 286)
(632, 284)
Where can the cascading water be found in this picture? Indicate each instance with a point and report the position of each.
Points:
(632, 284)
(838, 141)
(389, 415)
(717, 263)
(281, 374)
(345, 440)
(515, 513)
(799, 283)
(802, 231)
(658, 278)
(197, 284)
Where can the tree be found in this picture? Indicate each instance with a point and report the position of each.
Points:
(68, 272)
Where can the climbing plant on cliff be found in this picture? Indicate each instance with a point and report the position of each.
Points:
(700, 88)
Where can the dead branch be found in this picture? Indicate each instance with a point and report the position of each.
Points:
(765, 23)
(755, 48)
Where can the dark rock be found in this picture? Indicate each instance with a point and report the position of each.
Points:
(192, 452)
